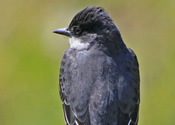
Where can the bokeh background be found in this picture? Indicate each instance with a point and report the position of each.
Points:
(30, 56)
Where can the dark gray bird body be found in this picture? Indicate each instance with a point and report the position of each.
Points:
(99, 75)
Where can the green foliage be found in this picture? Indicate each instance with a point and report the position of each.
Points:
(30, 56)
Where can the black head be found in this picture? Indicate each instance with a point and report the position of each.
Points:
(88, 25)
(89, 20)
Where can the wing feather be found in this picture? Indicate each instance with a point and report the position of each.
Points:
(129, 93)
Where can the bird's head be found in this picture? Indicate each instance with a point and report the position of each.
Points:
(90, 25)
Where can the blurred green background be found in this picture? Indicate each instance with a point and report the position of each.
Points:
(30, 56)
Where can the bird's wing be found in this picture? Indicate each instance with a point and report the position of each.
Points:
(129, 92)
(74, 113)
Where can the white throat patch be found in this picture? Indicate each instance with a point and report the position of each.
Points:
(76, 43)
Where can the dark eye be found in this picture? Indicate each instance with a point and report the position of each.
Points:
(76, 30)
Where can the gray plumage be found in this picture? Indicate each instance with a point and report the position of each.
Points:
(99, 77)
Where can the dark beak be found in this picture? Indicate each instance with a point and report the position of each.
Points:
(63, 31)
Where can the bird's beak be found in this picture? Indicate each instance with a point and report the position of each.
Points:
(63, 31)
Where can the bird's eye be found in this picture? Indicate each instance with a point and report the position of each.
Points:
(76, 30)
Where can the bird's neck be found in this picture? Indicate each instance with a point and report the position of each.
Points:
(112, 43)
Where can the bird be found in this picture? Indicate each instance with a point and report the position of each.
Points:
(99, 81)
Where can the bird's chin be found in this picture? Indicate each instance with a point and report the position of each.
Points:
(76, 43)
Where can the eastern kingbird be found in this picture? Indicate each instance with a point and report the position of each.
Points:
(99, 75)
